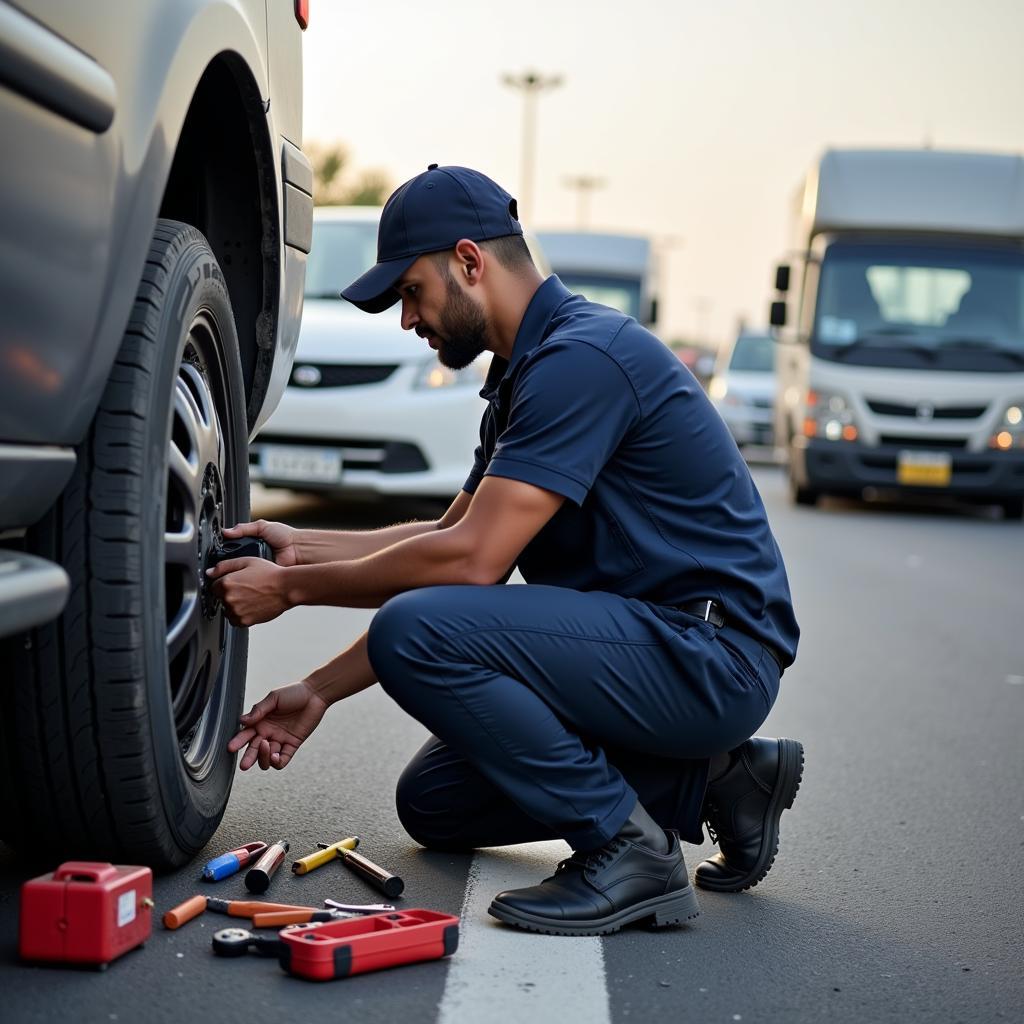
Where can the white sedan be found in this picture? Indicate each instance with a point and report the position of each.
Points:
(368, 410)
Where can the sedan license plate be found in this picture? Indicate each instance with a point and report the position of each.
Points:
(310, 465)
(924, 469)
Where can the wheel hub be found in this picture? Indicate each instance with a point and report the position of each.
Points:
(209, 533)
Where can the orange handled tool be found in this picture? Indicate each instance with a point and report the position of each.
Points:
(184, 912)
(280, 918)
(246, 908)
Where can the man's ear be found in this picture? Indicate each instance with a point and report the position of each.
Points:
(470, 258)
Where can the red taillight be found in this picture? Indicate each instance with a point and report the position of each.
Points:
(302, 13)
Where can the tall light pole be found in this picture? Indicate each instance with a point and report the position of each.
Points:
(530, 83)
(584, 185)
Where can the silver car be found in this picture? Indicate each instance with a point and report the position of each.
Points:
(155, 216)
(743, 388)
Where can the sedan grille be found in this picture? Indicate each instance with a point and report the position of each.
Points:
(339, 375)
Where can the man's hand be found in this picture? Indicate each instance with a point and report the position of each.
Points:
(252, 589)
(277, 726)
(279, 536)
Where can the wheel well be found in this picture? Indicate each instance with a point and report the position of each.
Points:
(223, 182)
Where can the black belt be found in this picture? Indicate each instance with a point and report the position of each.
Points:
(712, 611)
(709, 611)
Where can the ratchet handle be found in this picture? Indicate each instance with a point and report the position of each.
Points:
(247, 547)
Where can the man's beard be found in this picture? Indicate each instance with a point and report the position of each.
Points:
(462, 327)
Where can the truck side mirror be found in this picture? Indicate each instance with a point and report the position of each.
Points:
(782, 277)
(777, 316)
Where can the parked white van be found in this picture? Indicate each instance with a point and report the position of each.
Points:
(901, 363)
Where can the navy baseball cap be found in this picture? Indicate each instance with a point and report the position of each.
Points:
(431, 213)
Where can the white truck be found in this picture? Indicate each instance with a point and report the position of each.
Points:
(901, 355)
(615, 270)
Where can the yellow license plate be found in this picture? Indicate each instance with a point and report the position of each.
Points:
(924, 469)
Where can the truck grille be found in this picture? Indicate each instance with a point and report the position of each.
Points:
(922, 442)
(937, 412)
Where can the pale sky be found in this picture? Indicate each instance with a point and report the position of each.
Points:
(702, 118)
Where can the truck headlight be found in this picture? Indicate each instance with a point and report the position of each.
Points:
(432, 375)
(1010, 432)
(828, 414)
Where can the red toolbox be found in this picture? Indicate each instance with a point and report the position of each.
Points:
(338, 949)
(85, 912)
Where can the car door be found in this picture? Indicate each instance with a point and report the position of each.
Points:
(57, 107)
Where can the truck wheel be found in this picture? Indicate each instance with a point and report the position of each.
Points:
(1013, 508)
(799, 494)
(120, 711)
(803, 496)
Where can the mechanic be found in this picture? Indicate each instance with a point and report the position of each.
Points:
(610, 701)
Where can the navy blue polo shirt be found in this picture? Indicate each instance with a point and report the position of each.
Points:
(661, 505)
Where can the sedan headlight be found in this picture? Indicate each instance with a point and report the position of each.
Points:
(1010, 432)
(721, 394)
(828, 414)
(432, 375)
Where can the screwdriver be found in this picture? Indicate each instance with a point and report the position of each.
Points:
(327, 852)
(234, 860)
(246, 908)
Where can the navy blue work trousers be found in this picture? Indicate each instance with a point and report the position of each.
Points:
(553, 711)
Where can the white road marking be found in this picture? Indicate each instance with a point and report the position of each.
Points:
(503, 973)
(1015, 680)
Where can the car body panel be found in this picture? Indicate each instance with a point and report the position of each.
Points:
(98, 188)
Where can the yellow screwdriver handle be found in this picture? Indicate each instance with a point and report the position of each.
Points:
(321, 857)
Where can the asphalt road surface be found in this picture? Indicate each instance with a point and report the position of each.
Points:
(897, 894)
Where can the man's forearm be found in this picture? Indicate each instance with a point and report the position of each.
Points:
(432, 558)
(348, 673)
(318, 546)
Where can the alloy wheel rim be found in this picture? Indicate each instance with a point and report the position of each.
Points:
(198, 506)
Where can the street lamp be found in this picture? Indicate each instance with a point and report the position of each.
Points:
(583, 184)
(530, 83)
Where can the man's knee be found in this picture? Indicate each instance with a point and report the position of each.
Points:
(399, 637)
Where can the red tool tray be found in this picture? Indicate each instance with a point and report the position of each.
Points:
(322, 952)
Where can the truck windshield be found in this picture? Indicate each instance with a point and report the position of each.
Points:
(342, 250)
(617, 292)
(946, 307)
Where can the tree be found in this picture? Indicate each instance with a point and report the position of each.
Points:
(335, 184)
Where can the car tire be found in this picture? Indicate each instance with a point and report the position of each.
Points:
(798, 493)
(120, 711)
(1013, 508)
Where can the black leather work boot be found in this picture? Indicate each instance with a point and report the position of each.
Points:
(639, 873)
(742, 808)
